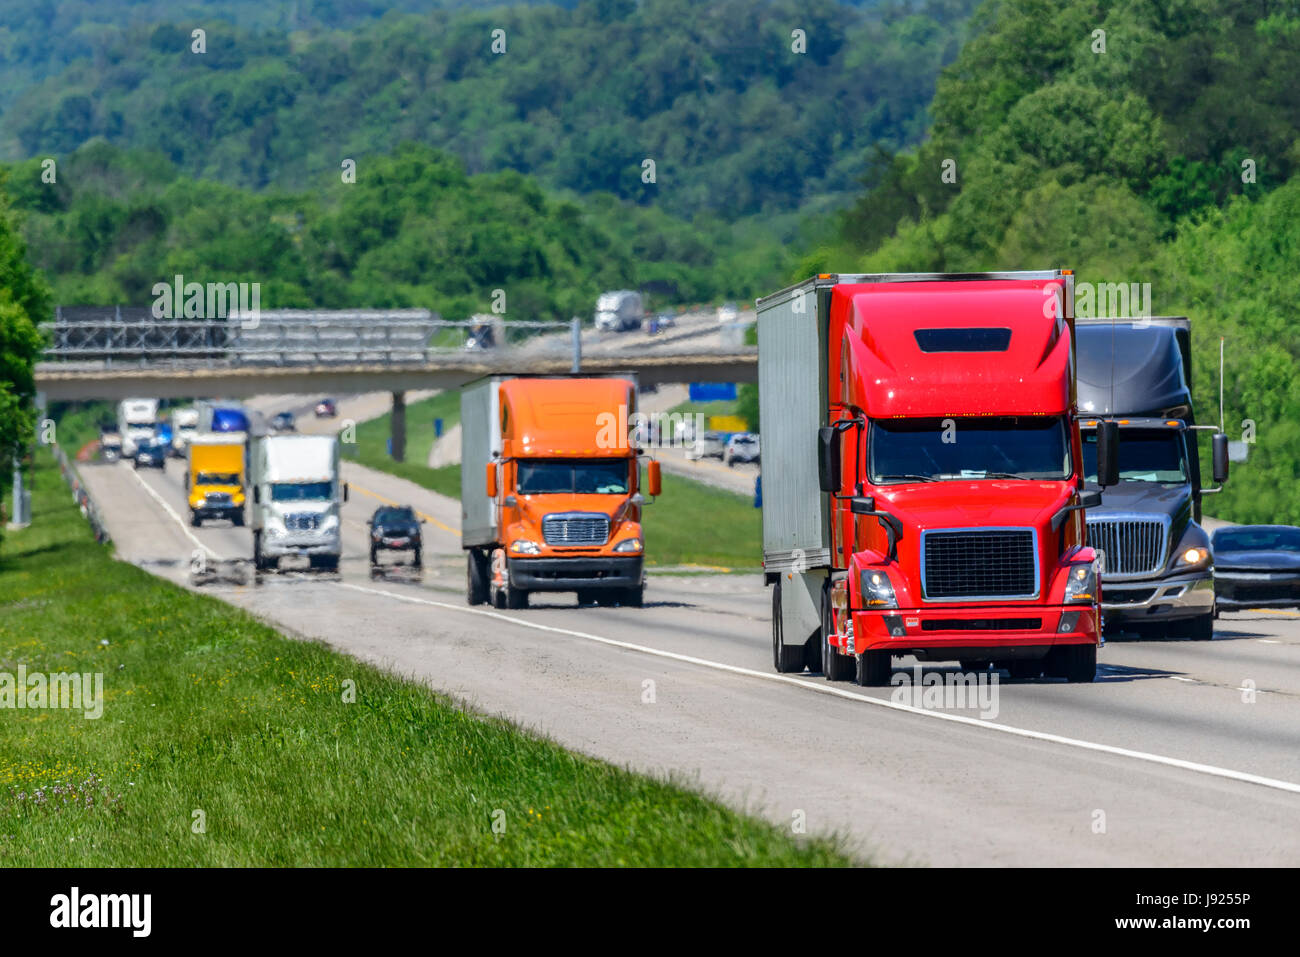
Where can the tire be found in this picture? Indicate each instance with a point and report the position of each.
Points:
(237, 519)
(476, 592)
(1201, 628)
(259, 561)
(1075, 663)
(516, 598)
(874, 669)
(835, 666)
(418, 560)
(787, 659)
(195, 520)
(374, 556)
(634, 597)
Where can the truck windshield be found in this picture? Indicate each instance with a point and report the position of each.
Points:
(591, 477)
(1145, 455)
(956, 448)
(217, 478)
(301, 491)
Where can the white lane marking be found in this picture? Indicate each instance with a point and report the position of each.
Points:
(170, 511)
(830, 689)
(1269, 641)
(1190, 681)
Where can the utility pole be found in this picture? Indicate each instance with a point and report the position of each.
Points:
(576, 325)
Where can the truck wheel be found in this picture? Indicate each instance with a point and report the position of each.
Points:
(835, 666)
(237, 519)
(259, 563)
(1201, 628)
(374, 556)
(1074, 663)
(516, 597)
(874, 668)
(195, 520)
(787, 659)
(476, 592)
(417, 559)
(634, 597)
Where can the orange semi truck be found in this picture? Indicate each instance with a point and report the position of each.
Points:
(550, 489)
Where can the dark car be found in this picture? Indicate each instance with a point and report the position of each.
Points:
(395, 528)
(1257, 566)
(326, 409)
(283, 422)
(151, 453)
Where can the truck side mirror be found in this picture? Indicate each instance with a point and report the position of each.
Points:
(653, 478)
(491, 480)
(828, 459)
(1107, 454)
(1219, 444)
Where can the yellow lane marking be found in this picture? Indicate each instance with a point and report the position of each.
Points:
(388, 501)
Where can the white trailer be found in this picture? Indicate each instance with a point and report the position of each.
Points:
(137, 420)
(298, 494)
(618, 311)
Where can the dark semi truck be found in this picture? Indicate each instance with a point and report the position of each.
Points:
(1157, 567)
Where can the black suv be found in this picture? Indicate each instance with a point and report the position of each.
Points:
(395, 528)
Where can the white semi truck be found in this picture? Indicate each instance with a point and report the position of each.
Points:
(136, 420)
(619, 311)
(297, 497)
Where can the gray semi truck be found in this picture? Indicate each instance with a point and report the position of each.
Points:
(1157, 566)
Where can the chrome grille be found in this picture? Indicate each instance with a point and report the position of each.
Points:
(1130, 546)
(979, 563)
(580, 528)
(302, 522)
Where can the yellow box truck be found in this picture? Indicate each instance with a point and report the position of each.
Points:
(215, 480)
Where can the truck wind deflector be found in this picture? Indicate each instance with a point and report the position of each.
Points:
(866, 505)
(963, 340)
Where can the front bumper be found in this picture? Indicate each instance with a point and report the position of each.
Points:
(578, 572)
(409, 545)
(945, 634)
(1257, 589)
(218, 511)
(298, 544)
(1158, 599)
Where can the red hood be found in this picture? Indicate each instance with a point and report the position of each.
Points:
(988, 503)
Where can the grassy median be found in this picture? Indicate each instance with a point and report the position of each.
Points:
(224, 743)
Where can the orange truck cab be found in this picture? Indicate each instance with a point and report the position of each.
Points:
(551, 489)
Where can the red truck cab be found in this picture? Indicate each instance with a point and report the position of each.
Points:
(949, 474)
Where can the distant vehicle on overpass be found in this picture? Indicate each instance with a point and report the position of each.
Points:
(619, 311)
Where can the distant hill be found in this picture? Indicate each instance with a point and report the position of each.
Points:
(733, 118)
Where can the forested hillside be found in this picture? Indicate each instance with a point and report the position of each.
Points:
(413, 230)
(1164, 151)
(734, 118)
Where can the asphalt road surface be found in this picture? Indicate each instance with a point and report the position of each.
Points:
(1182, 753)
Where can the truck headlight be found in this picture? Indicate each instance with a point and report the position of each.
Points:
(522, 546)
(1192, 556)
(877, 590)
(1081, 585)
(628, 545)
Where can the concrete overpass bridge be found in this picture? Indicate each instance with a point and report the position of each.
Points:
(114, 355)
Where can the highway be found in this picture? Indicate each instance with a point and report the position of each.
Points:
(1165, 760)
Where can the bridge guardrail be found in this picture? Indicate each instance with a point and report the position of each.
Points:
(290, 337)
(81, 496)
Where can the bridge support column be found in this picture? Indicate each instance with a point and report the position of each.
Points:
(398, 424)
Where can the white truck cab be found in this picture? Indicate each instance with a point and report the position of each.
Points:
(297, 496)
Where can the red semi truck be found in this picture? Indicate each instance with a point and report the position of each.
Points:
(924, 493)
